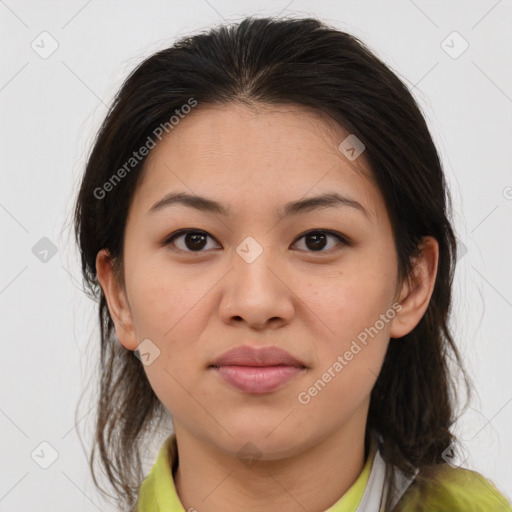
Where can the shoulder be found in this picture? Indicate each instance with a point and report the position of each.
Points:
(449, 489)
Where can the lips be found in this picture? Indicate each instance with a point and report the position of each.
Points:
(263, 356)
(257, 370)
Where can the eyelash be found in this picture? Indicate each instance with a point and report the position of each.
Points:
(341, 238)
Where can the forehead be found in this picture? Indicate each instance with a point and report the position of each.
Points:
(253, 155)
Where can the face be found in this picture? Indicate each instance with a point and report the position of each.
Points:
(319, 282)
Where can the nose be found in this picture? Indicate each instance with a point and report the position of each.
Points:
(257, 293)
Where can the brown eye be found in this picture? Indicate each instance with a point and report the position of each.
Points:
(317, 241)
(191, 240)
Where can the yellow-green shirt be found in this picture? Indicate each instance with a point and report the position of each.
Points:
(453, 489)
(158, 493)
(450, 490)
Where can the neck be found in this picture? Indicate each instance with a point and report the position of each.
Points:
(209, 480)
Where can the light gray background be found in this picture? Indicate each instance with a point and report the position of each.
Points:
(50, 110)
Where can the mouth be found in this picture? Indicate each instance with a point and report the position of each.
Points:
(257, 370)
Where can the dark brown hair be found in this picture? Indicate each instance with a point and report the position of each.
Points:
(280, 61)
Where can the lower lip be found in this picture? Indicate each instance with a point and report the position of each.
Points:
(257, 379)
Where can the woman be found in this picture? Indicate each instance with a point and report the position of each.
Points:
(264, 220)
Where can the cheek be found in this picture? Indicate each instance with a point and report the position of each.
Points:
(349, 357)
(163, 301)
(169, 309)
(347, 305)
(355, 316)
(168, 377)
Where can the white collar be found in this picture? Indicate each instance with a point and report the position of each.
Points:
(375, 493)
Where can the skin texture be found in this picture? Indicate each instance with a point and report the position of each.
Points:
(313, 303)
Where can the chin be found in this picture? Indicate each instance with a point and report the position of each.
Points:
(261, 441)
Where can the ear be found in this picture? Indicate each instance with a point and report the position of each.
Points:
(117, 300)
(416, 291)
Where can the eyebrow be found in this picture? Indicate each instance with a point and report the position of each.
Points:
(205, 204)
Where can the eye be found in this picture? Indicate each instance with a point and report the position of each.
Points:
(196, 240)
(193, 240)
(317, 240)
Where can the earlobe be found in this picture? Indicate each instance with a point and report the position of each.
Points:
(117, 302)
(416, 291)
